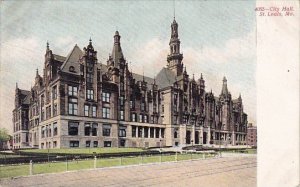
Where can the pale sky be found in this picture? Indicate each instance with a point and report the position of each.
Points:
(217, 39)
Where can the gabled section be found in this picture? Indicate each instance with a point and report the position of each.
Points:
(165, 78)
(71, 64)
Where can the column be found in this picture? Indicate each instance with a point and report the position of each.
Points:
(154, 132)
(160, 133)
(137, 131)
(148, 132)
(143, 134)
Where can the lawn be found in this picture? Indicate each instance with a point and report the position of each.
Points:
(54, 167)
(83, 150)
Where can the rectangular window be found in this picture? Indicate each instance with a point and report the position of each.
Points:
(86, 110)
(162, 133)
(162, 108)
(94, 129)
(54, 144)
(121, 115)
(106, 130)
(133, 133)
(141, 118)
(73, 108)
(140, 132)
(156, 132)
(143, 106)
(87, 129)
(87, 143)
(94, 111)
(131, 103)
(122, 132)
(55, 129)
(151, 132)
(106, 112)
(55, 110)
(54, 92)
(95, 143)
(74, 143)
(107, 143)
(90, 94)
(73, 128)
(122, 101)
(72, 91)
(133, 117)
(106, 97)
(89, 78)
(42, 100)
(145, 119)
(146, 129)
(43, 132)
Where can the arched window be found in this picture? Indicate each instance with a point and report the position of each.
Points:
(175, 134)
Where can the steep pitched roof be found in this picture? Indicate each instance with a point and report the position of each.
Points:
(165, 78)
(25, 96)
(59, 58)
(139, 77)
(73, 60)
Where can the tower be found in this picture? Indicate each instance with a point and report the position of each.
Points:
(225, 99)
(90, 72)
(175, 57)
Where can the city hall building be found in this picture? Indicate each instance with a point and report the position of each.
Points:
(78, 101)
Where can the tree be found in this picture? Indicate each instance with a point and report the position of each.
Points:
(4, 136)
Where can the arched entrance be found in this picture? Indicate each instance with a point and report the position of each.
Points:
(197, 137)
(188, 137)
(204, 137)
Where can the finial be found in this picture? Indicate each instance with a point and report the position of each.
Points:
(16, 85)
(90, 40)
(224, 79)
(143, 75)
(47, 45)
(201, 77)
(174, 9)
(37, 71)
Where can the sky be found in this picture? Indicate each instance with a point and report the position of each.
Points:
(218, 38)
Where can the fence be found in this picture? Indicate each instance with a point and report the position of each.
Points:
(76, 163)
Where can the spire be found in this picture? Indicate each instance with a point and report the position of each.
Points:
(90, 46)
(201, 77)
(224, 87)
(117, 53)
(16, 85)
(240, 97)
(37, 72)
(143, 76)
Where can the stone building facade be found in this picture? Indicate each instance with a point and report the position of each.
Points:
(252, 135)
(81, 102)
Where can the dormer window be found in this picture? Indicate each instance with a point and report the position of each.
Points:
(71, 69)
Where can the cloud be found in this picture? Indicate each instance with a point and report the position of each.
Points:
(232, 60)
(150, 57)
(19, 59)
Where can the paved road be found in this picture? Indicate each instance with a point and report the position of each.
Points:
(219, 172)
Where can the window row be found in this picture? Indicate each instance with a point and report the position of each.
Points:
(147, 132)
(46, 131)
(88, 143)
